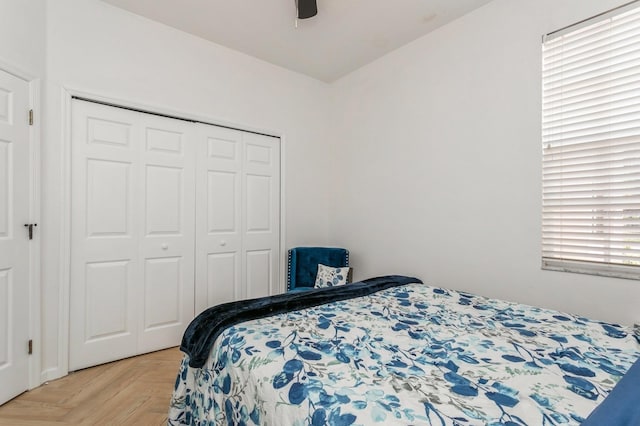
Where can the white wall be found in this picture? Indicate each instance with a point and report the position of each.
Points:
(100, 49)
(440, 144)
(22, 34)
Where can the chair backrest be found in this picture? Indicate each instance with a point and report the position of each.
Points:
(303, 264)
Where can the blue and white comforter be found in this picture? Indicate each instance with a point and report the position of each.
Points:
(407, 355)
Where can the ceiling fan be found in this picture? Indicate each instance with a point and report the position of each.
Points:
(306, 8)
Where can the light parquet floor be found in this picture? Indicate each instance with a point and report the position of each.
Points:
(134, 391)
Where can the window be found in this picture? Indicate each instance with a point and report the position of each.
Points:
(591, 146)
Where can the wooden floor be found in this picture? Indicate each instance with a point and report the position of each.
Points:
(134, 391)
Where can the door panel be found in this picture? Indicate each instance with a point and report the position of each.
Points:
(259, 197)
(108, 132)
(6, 320)
(218, 216)
(222, 217)
(259, 277)
(6, 99)
(238, 215)
(162, 292)
(14, 244)
(261, 218)
(132, 233)
(6, 208)
(164, 196)
(108, 198)
(168, 216)
(161, 140)
(104, 259)
(107, 299)
(221, 279)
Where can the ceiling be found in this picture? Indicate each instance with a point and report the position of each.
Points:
(344, 36)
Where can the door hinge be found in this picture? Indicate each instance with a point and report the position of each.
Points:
(30, 117)
(30, 346)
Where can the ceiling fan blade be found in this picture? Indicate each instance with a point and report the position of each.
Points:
(307, 9)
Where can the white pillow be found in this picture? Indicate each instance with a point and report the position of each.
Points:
(329, 276)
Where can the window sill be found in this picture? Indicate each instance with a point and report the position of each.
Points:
(589, 268)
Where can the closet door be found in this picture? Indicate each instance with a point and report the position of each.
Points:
(261, 214)
(238, 215)
(132, 236)
(166, 209)
(218, 216)
(104, 235)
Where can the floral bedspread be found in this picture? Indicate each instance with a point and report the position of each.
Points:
(408, 355)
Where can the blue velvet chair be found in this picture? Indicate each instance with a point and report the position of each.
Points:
(303, 265)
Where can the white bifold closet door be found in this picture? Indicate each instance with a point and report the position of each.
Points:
(237, 215)
(168, 217)
(132, 238)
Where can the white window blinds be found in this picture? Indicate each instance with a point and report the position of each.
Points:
(591, 146)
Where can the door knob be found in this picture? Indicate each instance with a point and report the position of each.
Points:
(223, 243)
(164, 246)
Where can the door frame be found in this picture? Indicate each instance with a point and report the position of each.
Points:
(35, 307)
(67, 95)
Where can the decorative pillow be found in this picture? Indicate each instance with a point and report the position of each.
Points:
(329, 276)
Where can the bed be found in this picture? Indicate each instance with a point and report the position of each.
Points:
(394, 351)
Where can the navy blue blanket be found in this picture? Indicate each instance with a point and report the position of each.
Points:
(622, 406)
(206, 327)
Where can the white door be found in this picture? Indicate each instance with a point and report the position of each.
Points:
(104, 235)
(261, 214)
(238, 215)
(167, 221)
(218, 216)
(132, 233)
(14, 249)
